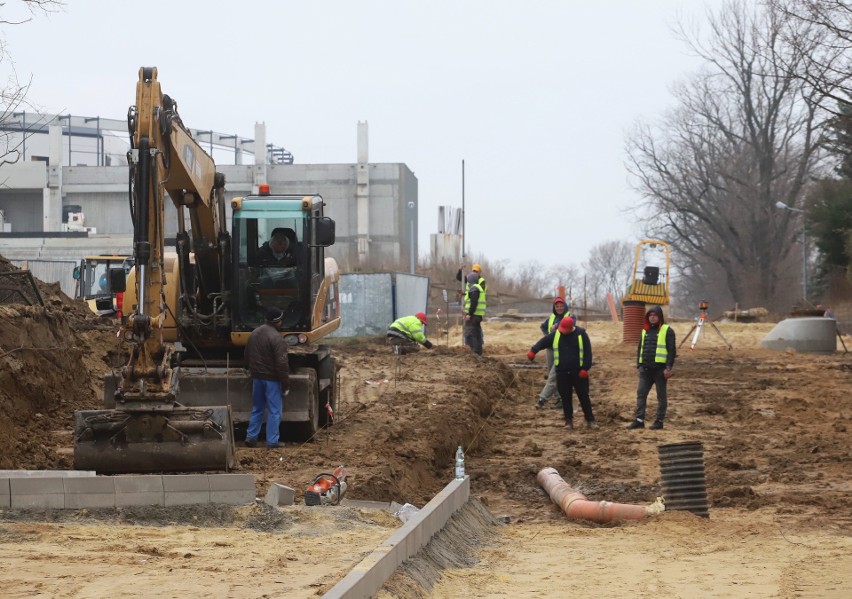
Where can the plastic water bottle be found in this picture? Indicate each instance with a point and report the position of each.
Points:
(459, 463)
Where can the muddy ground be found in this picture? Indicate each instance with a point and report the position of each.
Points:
(775, 428)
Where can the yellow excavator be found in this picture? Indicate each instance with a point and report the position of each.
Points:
(184, 396)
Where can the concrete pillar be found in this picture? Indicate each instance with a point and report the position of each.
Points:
(362, 196)
(52, 198)
(259, 169)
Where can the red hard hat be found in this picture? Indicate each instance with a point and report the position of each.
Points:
(558, 300)
(421, 317)
(566, 324)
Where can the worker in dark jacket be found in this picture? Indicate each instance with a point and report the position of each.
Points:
(655, 358)
(560, 309)
(266, 358)
(404, 334)
(278, 251)
(572, 359)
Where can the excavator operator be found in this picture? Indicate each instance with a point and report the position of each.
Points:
(278, 251)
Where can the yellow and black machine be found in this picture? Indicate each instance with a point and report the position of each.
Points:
(184, 394)
(93, 283)
(649, 282)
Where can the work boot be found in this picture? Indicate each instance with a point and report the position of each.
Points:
(658, 424)
(557, 405)
(636, 424)
(251, 442)
(539, 404)
(591, 424)
(273, 445)
(569, 425)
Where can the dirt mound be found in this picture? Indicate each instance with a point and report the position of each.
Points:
(52, 360)
(399, 422)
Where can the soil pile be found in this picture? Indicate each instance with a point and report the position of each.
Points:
(52, 359)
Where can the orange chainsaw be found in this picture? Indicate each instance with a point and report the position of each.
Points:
(327, 489)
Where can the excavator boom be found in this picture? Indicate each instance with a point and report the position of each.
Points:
(149, 430)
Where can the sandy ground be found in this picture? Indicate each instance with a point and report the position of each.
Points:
(775, 428)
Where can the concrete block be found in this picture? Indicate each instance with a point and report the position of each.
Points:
(45, 473)
(89, 492)
(5, 493)
(40, 492)
(233, 489)
(186, 489)
(139, 490)
(279, 494)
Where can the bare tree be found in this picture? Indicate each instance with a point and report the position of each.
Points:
(608, 271)
(745, 136)
(13, 94)
(822, 29)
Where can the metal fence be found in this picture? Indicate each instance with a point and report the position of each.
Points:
(52, 271)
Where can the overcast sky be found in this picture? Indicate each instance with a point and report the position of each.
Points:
(535, 96)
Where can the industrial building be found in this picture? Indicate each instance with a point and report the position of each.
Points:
(66, 166)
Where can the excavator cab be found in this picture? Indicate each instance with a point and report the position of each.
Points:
(289, 279)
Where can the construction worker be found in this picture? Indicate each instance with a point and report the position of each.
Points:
(572, 359)
(474, 312)
(404, 334)
(278, 251)
(549, 324)
(655, 360)
(266, 358)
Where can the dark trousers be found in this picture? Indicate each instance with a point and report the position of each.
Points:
(473, 334)
(567, 383)
(648, 377)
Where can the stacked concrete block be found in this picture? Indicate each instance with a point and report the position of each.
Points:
(5, 493)
(233, 489)
(89, 492)
(139, 490)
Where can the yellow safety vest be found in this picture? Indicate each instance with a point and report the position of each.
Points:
(556, 348)
(480, 305)
(662, 354)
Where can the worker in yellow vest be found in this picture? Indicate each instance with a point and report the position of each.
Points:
(655, 358)
(560, 310)
(474, 312)
(407, 333)
(572, 360)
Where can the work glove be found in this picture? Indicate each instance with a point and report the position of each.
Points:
(583, 374)
(427, 344)
(531, 355)
(667, 373)
(286, 393)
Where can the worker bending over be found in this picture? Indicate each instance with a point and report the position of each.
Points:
(407, 333)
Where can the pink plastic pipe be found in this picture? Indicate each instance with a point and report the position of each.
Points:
(575, 505)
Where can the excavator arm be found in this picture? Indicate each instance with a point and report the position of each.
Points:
(149, 430)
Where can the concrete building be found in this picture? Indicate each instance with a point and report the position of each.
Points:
(76, 164)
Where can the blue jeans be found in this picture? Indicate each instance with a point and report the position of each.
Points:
(265, 395)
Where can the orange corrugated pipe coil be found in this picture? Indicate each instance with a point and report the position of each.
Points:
(575, 505)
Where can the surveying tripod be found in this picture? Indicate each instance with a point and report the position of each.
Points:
(697, 327)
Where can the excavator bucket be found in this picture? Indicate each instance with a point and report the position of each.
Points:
(174, 439)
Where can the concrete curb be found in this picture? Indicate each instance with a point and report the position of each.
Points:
(367, 577)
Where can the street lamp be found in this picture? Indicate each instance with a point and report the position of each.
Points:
(780, 204)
